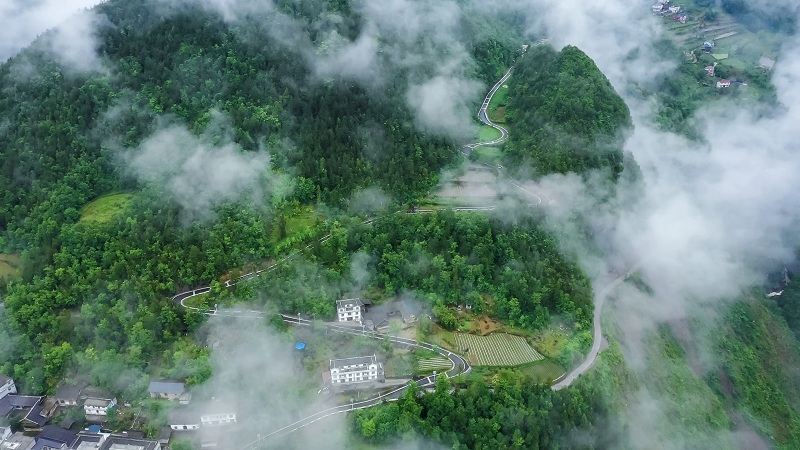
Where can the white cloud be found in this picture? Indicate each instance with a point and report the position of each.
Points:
(21, 21)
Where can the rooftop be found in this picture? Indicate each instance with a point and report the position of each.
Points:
(58, 434)
(5, 379)
(97, 402)
(116, 442)
(349, 302)
(17, 441)
(68, 393)
(167, 387)
(358, 360)
(35, 415)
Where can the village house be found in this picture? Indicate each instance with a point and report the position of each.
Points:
(123, 442)
(350, 309)
(766, 63)
(183, 419)
(67, 395)
(14, 402)
(55, 438)
(711, 69)
(356, 370)
(7, 386)
(721, 84)
(15, 441)
(211, 420)
(96, 408)
(37, 416)
(170, 390)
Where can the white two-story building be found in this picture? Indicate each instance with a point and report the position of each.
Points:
(356, 370)
(7, 386)
(350, 309)
(98, 407)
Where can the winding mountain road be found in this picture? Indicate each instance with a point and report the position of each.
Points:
(483, 117)
(459, 365)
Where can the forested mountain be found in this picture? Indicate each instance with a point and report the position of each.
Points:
(71, 133)
(565, 114)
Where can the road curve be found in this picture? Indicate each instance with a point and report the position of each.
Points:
(460, 366)
(597, 335)
(483, 117)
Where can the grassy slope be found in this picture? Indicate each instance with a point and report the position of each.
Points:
(9, 265)
(104, 208)
(760, 370)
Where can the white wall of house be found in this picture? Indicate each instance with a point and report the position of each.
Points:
(98, 410)
(217, 419)
(8, 388)
(355, 374)
(191, 426)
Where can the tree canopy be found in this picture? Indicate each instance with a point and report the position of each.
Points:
(565, 115)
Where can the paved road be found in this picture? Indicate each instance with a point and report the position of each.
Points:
(483, 117)
(459, 367)
(597, 336)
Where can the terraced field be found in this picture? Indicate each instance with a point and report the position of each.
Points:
(498, 349)
(431, 364)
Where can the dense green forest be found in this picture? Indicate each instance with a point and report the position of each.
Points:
(510, 412)
(568, 115)
(514, 272)
(102, 287)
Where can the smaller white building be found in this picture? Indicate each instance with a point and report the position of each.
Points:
(7, 386)
(350, 309)
(210, 420)
(98, 406)
(356, 370)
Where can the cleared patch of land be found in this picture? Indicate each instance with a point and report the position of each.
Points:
(544, 371)
(198, 301)
(498, 349)
(431, 364)
(10, 265)
(478, 185)
(497, 107)
(487, 133)
(103, 209)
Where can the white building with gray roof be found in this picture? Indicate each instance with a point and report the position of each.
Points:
(356, 370)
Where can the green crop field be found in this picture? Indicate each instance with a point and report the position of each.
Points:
(431, 364)
(104, 208)
(499, 349)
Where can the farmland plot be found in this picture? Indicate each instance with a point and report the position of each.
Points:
(431, 364)
(498, 349)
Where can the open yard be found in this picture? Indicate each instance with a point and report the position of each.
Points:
(104, 208)
(498, 349)
(487, 133)
(9, 265)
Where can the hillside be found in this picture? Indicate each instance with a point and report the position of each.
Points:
(565, 116)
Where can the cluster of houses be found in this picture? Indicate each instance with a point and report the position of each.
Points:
(54, 437)
(663, 8)
(36, 412)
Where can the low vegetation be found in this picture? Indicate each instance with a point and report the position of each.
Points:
(103, 209)
(499, 349)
